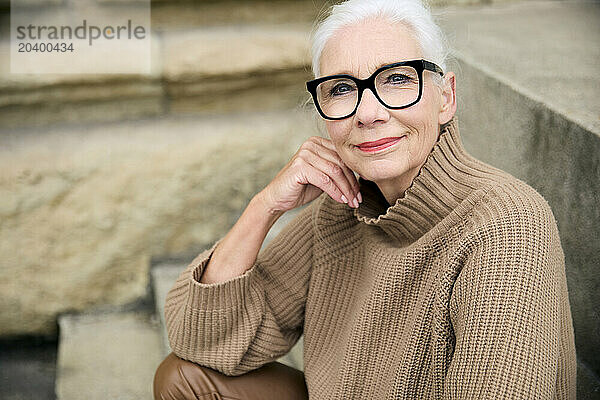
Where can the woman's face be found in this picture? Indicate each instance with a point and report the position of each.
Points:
(359, 50)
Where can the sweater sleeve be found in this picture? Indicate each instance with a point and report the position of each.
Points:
(245, 322)
(509, 310)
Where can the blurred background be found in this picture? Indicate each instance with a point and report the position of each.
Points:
(111, 184)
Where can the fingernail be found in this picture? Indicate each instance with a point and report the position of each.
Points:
(355, 202)
(344, 199)
(359, 197)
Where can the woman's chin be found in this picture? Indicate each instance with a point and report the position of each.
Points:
(379, 177)
(381, 170)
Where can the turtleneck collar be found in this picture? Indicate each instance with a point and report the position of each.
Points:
(447, 177)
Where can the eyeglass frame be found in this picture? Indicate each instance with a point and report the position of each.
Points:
(369, 83)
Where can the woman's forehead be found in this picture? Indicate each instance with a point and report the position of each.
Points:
(361, 48)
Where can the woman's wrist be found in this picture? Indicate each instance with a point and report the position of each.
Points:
(238, 250)
(264, 207)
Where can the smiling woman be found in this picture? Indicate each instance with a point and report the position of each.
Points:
(432, 275)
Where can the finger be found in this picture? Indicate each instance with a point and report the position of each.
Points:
(329, 152)
(335, 171)
(333, 156)
(328, 144)
(318, 178)
(324, 142)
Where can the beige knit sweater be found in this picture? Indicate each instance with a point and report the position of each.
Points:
(458, 290)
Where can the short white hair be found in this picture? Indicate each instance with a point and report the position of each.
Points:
(412, 13)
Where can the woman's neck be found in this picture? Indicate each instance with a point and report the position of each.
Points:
(394, 188)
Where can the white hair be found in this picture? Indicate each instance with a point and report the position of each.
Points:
(412, 13)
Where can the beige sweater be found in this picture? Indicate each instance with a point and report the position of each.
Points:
(458, 290)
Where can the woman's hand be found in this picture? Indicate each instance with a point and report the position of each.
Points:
(315, 168)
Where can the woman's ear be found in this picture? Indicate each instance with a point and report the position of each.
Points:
(448, 94)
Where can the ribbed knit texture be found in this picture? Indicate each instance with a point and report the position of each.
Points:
(458, 290)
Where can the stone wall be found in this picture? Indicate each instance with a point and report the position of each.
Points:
(83, 210)
(84, 206)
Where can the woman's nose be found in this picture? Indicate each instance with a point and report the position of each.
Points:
(370, 110)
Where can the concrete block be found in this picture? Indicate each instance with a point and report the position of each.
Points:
(199, 53)
(163, 278)
(278, 91)
(546, 50)
(83, 210)
(107, 356)
(31, 100)
(264, 68)
(176, 15)
(588, 385)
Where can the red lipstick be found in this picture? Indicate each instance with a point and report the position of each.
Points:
(371, 147)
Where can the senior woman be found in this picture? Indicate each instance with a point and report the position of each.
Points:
(433, 275)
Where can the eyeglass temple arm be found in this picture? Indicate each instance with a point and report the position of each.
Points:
(432, 67)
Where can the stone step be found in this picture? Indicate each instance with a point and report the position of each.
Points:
(263, 68)
(115, 195)
(165, 274)
(245, 10)
(191, 73)
(525, 48)
(109, 355)
(163, 277)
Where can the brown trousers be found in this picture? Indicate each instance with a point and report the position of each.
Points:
(178, 379)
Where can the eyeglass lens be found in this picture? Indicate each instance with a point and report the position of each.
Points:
(396, 87)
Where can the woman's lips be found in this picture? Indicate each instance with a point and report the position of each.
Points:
(372, 147)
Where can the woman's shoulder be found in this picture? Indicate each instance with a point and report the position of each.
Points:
(514, 229)
(516, 196)
(512, 206)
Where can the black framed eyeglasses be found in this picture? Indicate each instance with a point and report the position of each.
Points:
(398, 85)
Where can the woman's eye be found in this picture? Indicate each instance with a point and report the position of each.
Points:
(340, 89)
(399, 78)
